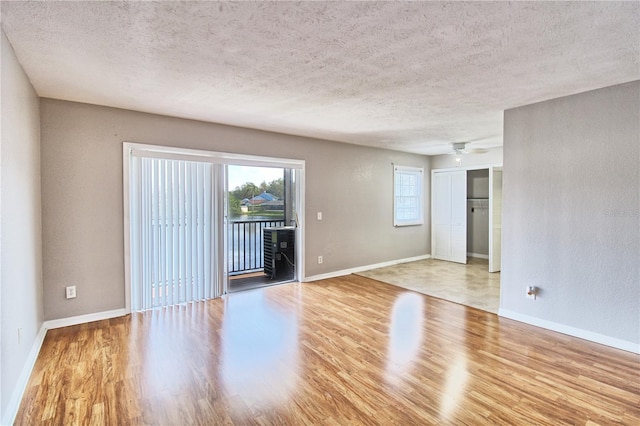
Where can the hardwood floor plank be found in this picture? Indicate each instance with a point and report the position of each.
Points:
(347, 350)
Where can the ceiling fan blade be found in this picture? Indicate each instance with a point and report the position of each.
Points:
(477, 151)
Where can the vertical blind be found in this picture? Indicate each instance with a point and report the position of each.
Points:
(172, 232)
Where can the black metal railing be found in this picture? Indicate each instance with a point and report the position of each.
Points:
(245, 244)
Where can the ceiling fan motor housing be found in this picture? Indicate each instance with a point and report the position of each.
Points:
(458, 146)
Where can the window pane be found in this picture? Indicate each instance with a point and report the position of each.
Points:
(408, 196)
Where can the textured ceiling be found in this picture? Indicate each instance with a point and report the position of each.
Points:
(411, 76)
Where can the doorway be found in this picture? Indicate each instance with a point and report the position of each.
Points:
(478, 214)
(467, 215)
(179, 244)
(261, 226)
(466, 237)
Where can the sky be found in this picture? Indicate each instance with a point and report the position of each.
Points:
(256, 175)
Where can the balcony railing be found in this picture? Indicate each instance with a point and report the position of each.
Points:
(245, 245)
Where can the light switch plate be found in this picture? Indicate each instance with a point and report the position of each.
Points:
(71, 291)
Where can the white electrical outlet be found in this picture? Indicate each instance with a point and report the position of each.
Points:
(320, 259)
(71, 292)
(319, 215)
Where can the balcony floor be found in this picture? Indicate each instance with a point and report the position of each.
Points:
(253, 280)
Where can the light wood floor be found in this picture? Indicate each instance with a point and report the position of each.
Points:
(347, 350)
(471, 284)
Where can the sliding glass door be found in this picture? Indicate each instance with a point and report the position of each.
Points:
(185, 229)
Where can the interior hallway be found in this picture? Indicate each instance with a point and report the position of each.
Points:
(471, 284)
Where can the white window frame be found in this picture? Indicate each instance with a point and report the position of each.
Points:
(417, 218)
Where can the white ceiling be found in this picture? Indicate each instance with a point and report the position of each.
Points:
(411, 76)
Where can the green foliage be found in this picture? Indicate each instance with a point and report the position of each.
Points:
(234, 205)
(250, 190)
(259, 211)
(247, 190)
(276, 187)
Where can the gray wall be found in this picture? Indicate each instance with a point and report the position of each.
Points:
(83, 210)
(478, 183)
(572, 211)
(478, 212)
(20, 237)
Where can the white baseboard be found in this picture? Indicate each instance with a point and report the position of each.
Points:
(478, 255)
(18, 392)
(81, 319)
(364, 268)
(572, 331)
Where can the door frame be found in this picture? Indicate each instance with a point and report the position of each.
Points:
(495, 229)
(220, 159)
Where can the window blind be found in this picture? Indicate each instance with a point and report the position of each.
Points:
(172, 232)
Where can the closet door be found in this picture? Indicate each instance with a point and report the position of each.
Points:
(449, 213)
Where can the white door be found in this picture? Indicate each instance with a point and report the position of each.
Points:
(449, 223)
(495, 218)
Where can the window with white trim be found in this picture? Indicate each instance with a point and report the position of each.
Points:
(408, 196)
